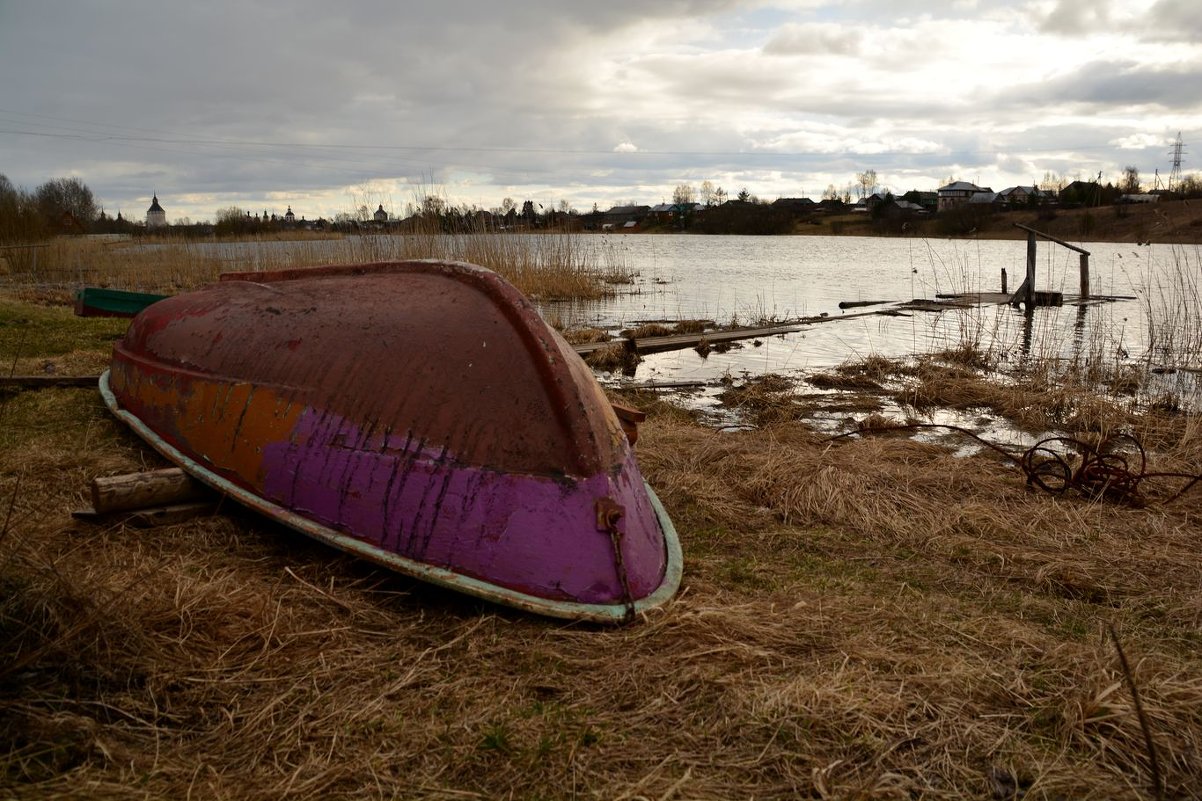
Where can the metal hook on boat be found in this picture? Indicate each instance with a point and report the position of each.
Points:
(609, 514)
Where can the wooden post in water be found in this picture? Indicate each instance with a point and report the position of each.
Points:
(1026, 292)
(1029, 284)
(1003, 280)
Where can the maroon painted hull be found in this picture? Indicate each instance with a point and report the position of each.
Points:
(420, 414)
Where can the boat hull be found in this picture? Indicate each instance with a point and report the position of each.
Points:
(99, 302)
(362, 406)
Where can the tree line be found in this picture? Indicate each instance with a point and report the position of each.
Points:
(62, 205)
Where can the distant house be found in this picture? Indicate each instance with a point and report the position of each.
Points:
(928, 200)
(798, 206)
(867, 204)
(618, 216)
(985, 197)
(380, 215)
(958, 193)
(1025, 196)
(156, 217)
(1081, 193)
(662, 213)
(832, 206)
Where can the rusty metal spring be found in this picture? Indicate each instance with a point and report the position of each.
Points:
(1115, 468)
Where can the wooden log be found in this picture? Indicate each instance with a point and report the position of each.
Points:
(139, 490)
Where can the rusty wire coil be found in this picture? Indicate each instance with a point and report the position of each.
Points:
(1114, 468)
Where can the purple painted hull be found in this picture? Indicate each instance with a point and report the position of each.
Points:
(419, 414)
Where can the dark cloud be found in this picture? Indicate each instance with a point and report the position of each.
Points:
(1077, 17)
(1118, 85)
(1174, 20)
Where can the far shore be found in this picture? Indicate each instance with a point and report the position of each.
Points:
(1177, 222)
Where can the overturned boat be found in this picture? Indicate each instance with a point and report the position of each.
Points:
(419, 414)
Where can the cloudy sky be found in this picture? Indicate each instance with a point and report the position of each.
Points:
(323, 106)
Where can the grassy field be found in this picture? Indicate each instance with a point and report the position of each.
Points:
(869, 618)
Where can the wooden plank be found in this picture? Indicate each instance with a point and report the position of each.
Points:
(171, 514)
(154, 515)
(1051, 238)
(42, 381)
(683, 341)
(852, 304)
(649, 385)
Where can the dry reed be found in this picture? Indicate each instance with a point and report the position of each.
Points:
(544, 266)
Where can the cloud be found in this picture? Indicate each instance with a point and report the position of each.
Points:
(244, 103)
(1122, 85)
(1077, 17)
(1174, 20)
(1140, 141)
(814, 39)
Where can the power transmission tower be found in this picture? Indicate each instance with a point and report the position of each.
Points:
(1177, 152)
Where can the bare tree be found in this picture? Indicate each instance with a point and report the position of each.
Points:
(707, 193)
(19, 218)
(683, 194)
(1052, 182)
(865, 183)
(63, 196)
(433, 206)
(1129, 185)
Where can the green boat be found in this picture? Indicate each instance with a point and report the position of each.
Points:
(96, 302)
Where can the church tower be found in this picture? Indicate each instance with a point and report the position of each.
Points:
(155, 216)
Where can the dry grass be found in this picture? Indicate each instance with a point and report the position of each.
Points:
(544, 266)
(860, 619)
(647, 330)
(620, 355)
(586, 335)
(65, 263)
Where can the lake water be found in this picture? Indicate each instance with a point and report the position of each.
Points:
(749, 279)
(779, 278)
